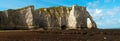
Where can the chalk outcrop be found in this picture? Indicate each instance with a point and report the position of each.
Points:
(75, 17)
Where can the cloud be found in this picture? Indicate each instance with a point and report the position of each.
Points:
(106, 17)
(108, 1)
(113, 11)
(93, 4)
(96, 13)
(103, 15)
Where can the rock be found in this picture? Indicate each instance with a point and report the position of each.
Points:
(104, 37)
(51, 18)
(3, 19)
(24, 17)
(47, 18)
(41, 19)
(89, 23)
(72, 21)
(17, 19)
(81, 16)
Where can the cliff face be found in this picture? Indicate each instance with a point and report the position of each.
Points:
(52, 18)
(75, 17)
(17, 19)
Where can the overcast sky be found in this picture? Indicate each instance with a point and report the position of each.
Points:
(106, 13)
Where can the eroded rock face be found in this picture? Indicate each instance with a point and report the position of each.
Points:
(3, 19)
(26, 16)
(51, 18)
(17, 19)
(82, 16)
(74, 17)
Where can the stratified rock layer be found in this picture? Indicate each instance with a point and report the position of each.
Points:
(47, 18)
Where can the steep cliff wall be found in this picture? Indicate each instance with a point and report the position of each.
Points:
(17, 19)
(53, 17)
(74, 17)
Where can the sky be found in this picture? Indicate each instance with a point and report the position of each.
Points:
(106, 13)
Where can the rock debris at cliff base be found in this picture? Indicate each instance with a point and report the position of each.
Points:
(61, 17)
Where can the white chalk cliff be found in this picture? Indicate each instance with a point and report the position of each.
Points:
(75, 17)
